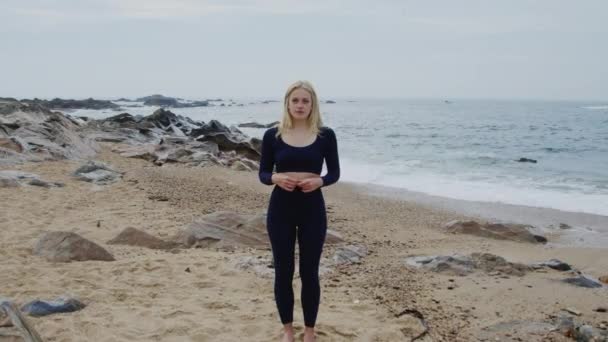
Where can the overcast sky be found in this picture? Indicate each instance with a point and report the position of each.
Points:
(537, 49)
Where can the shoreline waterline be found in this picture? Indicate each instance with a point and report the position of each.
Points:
(571, 229)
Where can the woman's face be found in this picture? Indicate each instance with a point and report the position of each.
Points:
(300, 104)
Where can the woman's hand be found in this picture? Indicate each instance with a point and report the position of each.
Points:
(285, 182)
(310, 184)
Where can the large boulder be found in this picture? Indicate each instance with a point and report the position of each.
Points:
(134, 237)
(67, 246)
(499, 231)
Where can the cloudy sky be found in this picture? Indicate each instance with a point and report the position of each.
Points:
(536, 49)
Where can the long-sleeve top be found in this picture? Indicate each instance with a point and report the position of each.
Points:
(287, 158)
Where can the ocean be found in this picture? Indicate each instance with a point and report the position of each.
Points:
(457, 149)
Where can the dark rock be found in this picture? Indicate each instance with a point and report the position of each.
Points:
(526, 160)
(158, 100)
(250, 149)
(39, 182)
(258, 125)
(582, 281)
(67, 246)
(58, 103)
(564, 226)
(161, 118)
(556, 265)
(38, 308)
(165, 101)
(134, 237)
(212, 126)
(330, 101)
(96, 172)
(121, 118)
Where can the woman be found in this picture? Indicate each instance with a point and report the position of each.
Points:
(297, 147)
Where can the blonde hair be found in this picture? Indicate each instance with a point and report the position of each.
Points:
(314, 119)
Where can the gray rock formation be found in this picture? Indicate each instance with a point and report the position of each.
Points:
(134, 237)
(166, 101)
(34, 133)
(31, 132)
(12, 178)
(554, 264)
(258, 125)
(60, 104)
(97, 172)
(67, 246)
(351, 254)
(583, 281)
(462, 265)
(513, 232)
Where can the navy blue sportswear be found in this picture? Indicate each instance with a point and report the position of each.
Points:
(306, 211)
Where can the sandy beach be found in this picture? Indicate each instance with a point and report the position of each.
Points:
(200, 295)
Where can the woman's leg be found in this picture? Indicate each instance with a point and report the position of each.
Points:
(311, 237)
(282, 234)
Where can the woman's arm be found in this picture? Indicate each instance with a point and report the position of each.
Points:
(267, 159)
(331, 158)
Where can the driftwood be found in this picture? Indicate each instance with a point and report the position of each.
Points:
(27, 331)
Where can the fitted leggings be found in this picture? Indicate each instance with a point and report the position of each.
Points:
(306, 211)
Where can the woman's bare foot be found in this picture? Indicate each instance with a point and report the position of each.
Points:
(309, 334)
(288, 335)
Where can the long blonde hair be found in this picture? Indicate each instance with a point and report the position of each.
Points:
(314, 119)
